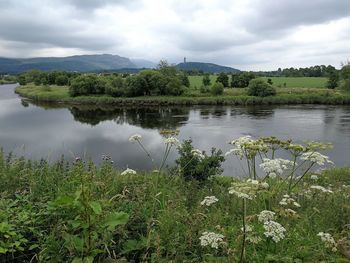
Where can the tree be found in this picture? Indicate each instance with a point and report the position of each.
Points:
(184, 79)
(345, 76)
(333, 80)
(241, 80)
(206, 80)
(223, 79)
(217, 89)
(258, 87)
(269, 81)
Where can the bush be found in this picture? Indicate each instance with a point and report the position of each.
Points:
(85, 85)
(217, 89)
(193, 167)
(204, 89)
(259, 88)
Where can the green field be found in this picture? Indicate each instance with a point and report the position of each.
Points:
(291, 82)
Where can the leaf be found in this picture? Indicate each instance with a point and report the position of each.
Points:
(115, 219)
(132, 245)
(63, 200)
(33, 246)
(96, 207)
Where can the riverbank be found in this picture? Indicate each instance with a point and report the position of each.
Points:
(67, 211)
(231, 97)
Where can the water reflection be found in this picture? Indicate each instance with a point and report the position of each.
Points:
(42, 130)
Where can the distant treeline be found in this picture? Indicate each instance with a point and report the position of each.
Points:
(314, 71)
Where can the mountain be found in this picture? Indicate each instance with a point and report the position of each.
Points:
(142, 63)
(81, 63)
(206, 67)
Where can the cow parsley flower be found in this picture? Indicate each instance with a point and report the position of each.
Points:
(135, 138)
(211, 239)
(265, 216)
(209, 200)
(316, 157)
(274, 230)
(314, 177)
(287, 200)
(328, 240)
(321, 188)
(128, 171)
(171, 141)
(274, 167)
(198, 153)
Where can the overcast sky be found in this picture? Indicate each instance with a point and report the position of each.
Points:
(246, 34)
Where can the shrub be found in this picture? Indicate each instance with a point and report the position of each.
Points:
(204, 89)
(217, 89)
(194, 167)
(260, 88)
(206, 80)
(223, 78)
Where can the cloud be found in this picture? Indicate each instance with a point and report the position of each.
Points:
(248, 34)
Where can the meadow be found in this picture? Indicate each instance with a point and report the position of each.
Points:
(78, 212)
(291, 82)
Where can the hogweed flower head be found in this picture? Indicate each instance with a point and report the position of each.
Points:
(316, 157)
(209, 200)
(211, 239)
(321, 188)
(328, 240)
(314, 177)
(171, 140)
(274, 230)
(265, 216)
(287, 200)
(247, 147)
(275, 167)
(134, 138)
(128, 171)
(198, 153)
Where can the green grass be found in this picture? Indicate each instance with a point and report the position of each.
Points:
(291, 82)
(192, 97)
(60, 211)
(298, 82)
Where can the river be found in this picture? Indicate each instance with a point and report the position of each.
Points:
(49, 131)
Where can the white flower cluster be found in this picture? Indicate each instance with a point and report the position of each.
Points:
(274, 230)
(245, 146)
(275, 167)
(171, 141)
(211, 239)
(328, 240)
(265, 216)
(316, 157)
(290, 212)
(248, 189)
(135, 138)
(198, 153)
(128, 171)
(314, 177)
(209, 200)
(321, 188)
(287, 200)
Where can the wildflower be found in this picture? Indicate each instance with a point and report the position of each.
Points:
(209, 200)
(274, 230)
(135, 138)
(290, 212)
(328, 240)
(211, 239)
(198, 153)
(247, 189)
(316, 157)
(171, 141)
(265, 216)
(274, 167)
(247, 147)
(248, 229)
(287, 200)
(314, 177)
(106, 157)
(128, 171)
(77, 159)
(321, 188)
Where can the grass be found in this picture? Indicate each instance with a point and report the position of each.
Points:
(191, 97)
(291, 82)
(61, 212)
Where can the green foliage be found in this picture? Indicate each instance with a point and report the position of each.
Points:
(223, 79)
(217, 89)
(206, 80)
(87, 84)
(345, 76)
(241, 80)
(192, 167)
(184, 79)
(260, 88)
(333, 80)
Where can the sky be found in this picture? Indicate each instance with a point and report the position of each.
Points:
(245, 34)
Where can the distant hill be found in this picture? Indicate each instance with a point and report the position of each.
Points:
(142, 63)
(82, 63)
(206, 67)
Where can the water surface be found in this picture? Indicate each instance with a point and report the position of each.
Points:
(43, 131)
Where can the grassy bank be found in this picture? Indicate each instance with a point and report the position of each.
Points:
(194, 97)
(60, 212)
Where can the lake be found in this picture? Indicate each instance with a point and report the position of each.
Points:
(50, 131)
